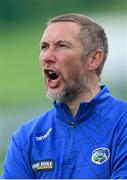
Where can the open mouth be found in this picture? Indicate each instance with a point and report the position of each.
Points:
(51, 74)
(52, 78)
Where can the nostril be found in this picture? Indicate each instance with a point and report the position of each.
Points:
(48, 60)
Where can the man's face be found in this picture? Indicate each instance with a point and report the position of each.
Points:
(61, 60)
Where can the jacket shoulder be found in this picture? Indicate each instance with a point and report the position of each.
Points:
(28, 130)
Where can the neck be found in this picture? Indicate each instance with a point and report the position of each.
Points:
(89, 93)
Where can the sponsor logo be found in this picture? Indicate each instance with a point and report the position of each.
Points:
(44, 165)
(40, 138)
(100, 155)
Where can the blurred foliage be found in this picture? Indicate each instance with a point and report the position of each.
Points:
(13, 10)
(20, 69)
(0, 167)
(1, 160)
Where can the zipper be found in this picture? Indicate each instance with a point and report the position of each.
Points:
(69, 154)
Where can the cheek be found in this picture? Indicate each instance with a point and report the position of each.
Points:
(71, 71)
(70, 65)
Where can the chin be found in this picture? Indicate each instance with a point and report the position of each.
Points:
(56, 95)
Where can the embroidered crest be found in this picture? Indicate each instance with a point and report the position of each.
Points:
(100, 155)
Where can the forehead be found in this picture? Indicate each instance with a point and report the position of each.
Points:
(61, 30)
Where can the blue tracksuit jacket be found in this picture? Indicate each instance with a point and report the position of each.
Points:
(57, 146)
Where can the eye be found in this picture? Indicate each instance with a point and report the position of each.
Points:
(61, 45)
(44, 47)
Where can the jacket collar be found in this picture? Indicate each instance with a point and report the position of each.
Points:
(86, 109)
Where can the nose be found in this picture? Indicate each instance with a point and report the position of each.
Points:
(48, 56)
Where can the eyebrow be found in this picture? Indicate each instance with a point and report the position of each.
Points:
(57, 42)
(43, 42)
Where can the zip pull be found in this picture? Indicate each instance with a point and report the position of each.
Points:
(71, 124)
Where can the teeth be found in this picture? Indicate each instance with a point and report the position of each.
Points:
(52, 75)
(51, 72)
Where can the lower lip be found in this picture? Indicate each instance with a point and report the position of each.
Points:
(53, 83)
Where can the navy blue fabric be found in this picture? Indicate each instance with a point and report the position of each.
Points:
(70, 142)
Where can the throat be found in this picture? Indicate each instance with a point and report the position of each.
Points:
(74, 111)
(73, 107)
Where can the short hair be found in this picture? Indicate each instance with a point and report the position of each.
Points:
(92, 34)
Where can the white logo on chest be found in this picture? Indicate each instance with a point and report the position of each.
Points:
(40, 138)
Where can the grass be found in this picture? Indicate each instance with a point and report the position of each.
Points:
(1, 161)
(0, 167)
(21, 78)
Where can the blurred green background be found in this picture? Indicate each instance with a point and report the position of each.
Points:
(22, 91)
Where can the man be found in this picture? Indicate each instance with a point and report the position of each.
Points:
(85, 135)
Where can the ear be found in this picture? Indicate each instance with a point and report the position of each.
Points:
(95, 59)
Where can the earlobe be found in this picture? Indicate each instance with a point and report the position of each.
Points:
(95, 59)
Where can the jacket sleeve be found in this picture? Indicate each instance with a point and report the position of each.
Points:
(119, 151)
(16, 164)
